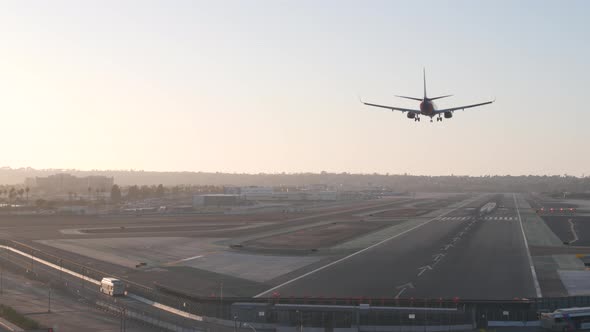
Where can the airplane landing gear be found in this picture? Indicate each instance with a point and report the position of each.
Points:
(417, 119)
(439, 119)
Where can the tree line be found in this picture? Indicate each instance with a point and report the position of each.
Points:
(13, 195)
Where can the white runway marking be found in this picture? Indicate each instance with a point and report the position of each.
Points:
(190, 258)
(400, 293)
(363, 250)
(526, 245)
(446, 247)
(424, 269)
(438, 256)
(573, 229)
(403, 289)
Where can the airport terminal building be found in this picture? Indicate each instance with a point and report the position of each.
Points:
(64, 183)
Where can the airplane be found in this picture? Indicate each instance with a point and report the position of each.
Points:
(427, 107)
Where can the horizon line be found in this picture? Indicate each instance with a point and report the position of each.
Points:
(131, 170)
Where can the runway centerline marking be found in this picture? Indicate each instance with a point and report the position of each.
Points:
(400, 293)
(363, 250)
(403, 289)
(528, 252)
(424, 269)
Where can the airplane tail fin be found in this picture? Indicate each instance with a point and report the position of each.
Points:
(424, 75)
(440, 97)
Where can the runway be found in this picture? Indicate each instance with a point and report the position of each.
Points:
(454, 255)
(427, 247)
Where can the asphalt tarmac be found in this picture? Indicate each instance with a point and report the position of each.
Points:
(454, 255)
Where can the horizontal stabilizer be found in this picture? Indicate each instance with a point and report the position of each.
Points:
(440, 97)
(413, 98)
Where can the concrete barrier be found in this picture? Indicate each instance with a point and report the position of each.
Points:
(416, 328)
(518, 323)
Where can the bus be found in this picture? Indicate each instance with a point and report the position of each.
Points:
(571, 319)
(112, 287)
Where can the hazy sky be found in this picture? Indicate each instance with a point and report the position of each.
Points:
(271, 86)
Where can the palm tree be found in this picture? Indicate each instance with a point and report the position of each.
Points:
(11, 194)
(27, 189)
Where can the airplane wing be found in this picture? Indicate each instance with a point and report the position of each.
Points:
(393, 108)
(462, 107)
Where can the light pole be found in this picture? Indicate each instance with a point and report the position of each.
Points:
(250, 326)
(1, 274)
(221, 300)
(123, 319)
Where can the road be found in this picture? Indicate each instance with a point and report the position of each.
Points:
(31, 298)
(455, 255)
(88, 297)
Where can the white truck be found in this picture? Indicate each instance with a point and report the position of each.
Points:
(112, 287)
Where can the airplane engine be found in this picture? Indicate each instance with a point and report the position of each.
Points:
(411, 115)
(448, 115)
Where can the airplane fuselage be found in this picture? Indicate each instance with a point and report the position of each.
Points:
(427, 107)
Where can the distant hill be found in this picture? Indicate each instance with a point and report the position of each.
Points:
(506, 183)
